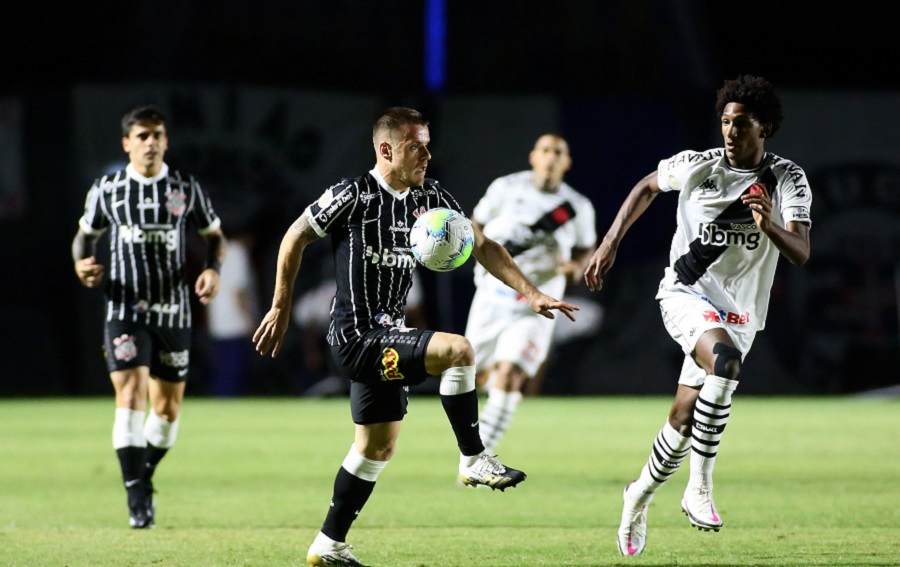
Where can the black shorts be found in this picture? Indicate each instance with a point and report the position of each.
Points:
(381, 365)
(129, 344)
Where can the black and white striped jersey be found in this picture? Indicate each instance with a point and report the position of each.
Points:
(369, 224)
(148, 218)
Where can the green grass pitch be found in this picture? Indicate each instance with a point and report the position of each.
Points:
(799, 481)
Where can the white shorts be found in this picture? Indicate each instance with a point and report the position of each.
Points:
(686, 318)
(503, 328)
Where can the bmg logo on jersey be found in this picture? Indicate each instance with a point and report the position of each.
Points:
(137, 235)
(395, 259)
(736, 234)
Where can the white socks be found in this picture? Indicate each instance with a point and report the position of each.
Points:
(457, 380)
(128, 429)
(361, 467)
(159, 432)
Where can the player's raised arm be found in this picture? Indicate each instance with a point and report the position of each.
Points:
(501, 265)
(635, 204)
(269, 335)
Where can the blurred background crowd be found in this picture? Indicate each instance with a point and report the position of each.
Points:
(269, 103)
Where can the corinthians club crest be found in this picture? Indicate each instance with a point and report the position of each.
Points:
(125, 349)
(175, 201)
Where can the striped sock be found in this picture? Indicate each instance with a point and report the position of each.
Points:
(497, 415)
(711, 414)
(669, 450)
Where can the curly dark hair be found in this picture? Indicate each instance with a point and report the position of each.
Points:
(756, 93)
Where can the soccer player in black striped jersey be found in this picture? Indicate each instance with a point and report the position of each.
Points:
(739, 209)
(147, 208)
(368, 219)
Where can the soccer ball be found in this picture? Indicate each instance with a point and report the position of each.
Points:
(442, 239)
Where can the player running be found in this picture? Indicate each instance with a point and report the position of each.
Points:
(148, 208)
(548, 228)
(739, 207)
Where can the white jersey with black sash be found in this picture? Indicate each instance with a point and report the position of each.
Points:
(369, 224)
(147, 218)
(718, 253)
(539, 228)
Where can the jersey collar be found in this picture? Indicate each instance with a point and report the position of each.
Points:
(383, 184)
(132, 172)
(767, 157)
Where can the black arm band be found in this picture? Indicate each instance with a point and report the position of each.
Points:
(214, 264)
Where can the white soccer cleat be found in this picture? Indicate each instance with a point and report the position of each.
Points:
(632, 534)
(488, 471)
(700, 508)
(331, 554)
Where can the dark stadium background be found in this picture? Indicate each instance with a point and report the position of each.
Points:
(631, 82)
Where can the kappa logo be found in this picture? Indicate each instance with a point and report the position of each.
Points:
(708, 186)
(391, 362)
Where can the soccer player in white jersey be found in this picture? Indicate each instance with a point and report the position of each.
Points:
(739, 207)
(368, 219)
(549, 229)
(147, 208)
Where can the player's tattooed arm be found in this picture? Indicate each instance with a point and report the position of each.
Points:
(84, 249)
(270, 334)
(303, 230)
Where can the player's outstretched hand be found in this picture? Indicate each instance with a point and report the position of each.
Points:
(89, 271)
(600, 263)
(207, 285)
(542, 304)
(270, 334)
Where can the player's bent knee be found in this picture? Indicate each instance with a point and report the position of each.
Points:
(728, 361)
(453, 350)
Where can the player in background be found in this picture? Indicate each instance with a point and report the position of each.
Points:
(548, 229)
(369, 219)
(147, 208)
(738, 208)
